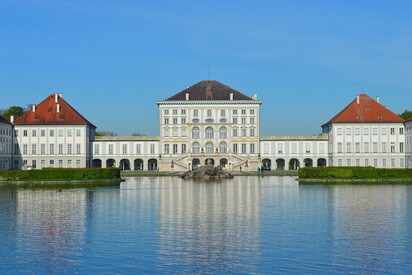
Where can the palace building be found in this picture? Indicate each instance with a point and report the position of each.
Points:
(206, 123)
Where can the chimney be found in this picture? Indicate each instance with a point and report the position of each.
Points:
(378, 99)
(187, 96)
(254, 96)
(56, 97)
(231, 96)
(33, 108)
(61, 95)
(357, 99)
(58, 108)
(12, 119)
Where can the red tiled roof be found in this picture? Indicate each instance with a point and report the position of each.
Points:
(365, 110)
(209, 90)
(3, 120)
(50, 112)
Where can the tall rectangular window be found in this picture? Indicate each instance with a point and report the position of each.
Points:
(366, 147)
(375, 147)
(235, 148)
(183, 148)
(401, 147)
(33, 149)
(124, 149)
(51, 133)
(138, 149)
(280, 148)
(43, 149)
(357, 148)
(42, 133)
(384, 150)
(60, 149)
(392, 147)
(348, 147)
(78, 148)
(96, 148)
(243, 148)
(78, 132)
(252, 148)
(152, 149)
(60, 132)
(69, 132)
(195, 113)
(166, 151)
(110, 149)
(222, 113)
(339, 147)
(25, 146)
(174, 148)
(33, 133)
(392, 130)
(51, 151)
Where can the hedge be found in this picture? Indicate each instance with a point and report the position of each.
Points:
(354, 173)
(61, 174)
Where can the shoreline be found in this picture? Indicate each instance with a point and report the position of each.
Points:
(321, 181)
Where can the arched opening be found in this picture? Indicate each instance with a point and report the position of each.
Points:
(124, 164)
(138, 164)
(152, 164)
(195, 132)
(210, 161)
(266, 164)
(280, 164)
(110, 163)
(294, 164)
(308, 162)
(223, 132)
(97, 163)
(321, 162)
(195, 148)
(209, 148)
(209, 132)
(223, 148)
(195, 163)
(223, 162)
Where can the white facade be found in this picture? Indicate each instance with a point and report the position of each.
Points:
(127, 153)
(195, 132)
(54, 146)
(6, 130)
(380, 145)
(292, 152)
(408, 143)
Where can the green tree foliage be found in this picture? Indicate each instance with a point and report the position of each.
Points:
(137, 134)
(15, 111)
(406, 114)
(106, 133)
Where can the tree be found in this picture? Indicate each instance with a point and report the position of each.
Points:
(15, 111)
(106, 133)
(406, 114)
(137, 134)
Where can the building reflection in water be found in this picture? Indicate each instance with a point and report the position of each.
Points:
(50, 227)
(211, 226)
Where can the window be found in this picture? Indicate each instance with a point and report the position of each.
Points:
(209, 132)
(243, 112)
(174, 121)
(70, 147)
(375, 147)
(339, 131)
(357, 132)
(357, 162)
(348, 131)
(339, 162)
(384, 150)
(252, 132)
(33, 133)
(196, 148)
(166, 132)
(152, 149)
(392, 147)
(24, 133)
(366, 131)
(124, 149)
(243, 132)
(375, 131)
(174, 112)
(195, 113)
(183, 132)
(383, 131)
(110, 149)
(96, 148)
(183, 148)
(243, 120)
(307, 148)
(43, 149)
(183, 120)
(51, 163)
(78, 148)
(209, 113)
(266, 149)
(195, 132)
(138, 149)
(33, 149)
(235, 148)
(166, 149)
(175, 149)
(69, 163)
(294, 148)
(252, 112)
(60, 132)
(235, 120)
(321, 148)
(235, 132)
(222, 113)
(183, 112)
(366, 147)
(357, 148)
(401, 147)
(243, 148)
(77, 163)
(401, 131)
(280, 148)
(223, 148)
(252, 120)
(366, 162)
(60, 163)
(209, 148)
(42, 133)
(60, 149)
(383, 162)
(51, 149)
(252, 148)
(69, 132)
(235, 112)
(392, 162)
(166, 112)
(166, 121)
(392, 130)
(348, 147)
(175, 131)
(78, 133)
(222, 132)
(339, 147)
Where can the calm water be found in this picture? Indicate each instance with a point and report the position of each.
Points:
(244, 225)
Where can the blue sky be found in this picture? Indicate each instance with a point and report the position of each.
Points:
(113, 59)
